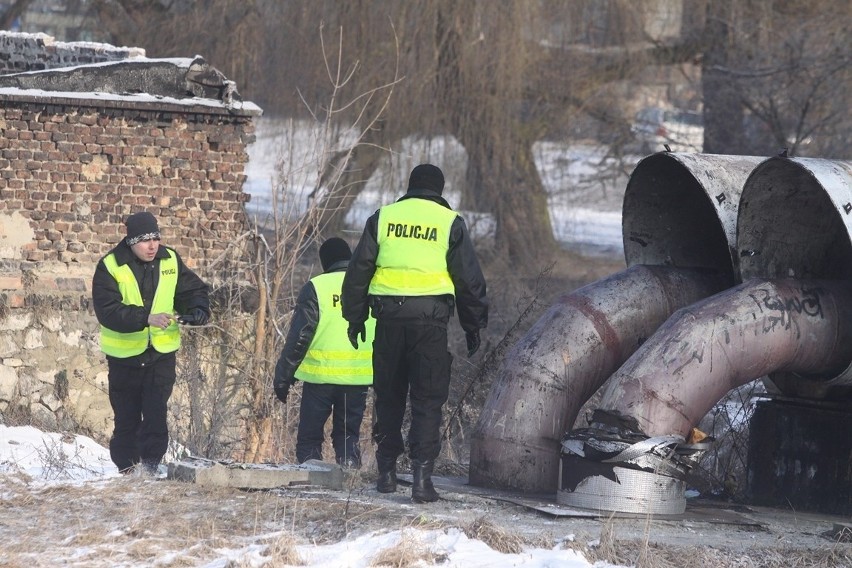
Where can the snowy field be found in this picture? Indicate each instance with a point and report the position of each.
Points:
(585, 187)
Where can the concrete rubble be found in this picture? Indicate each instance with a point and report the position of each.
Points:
(258, 476)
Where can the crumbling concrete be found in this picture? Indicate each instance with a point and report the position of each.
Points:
(257, 476)
(176, 77)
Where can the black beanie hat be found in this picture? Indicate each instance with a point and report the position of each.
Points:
(334, 250)
(141, 227)
(427, 176)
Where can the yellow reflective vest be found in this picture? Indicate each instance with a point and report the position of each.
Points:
(167, 340)
(330, 358)
(413, 237)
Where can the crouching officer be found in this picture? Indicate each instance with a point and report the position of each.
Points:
(336, 376)
(415, 262)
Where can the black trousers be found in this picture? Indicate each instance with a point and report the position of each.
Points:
(345, 404)
(410, 363)
(139, 398)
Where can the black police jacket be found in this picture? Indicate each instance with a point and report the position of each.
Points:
(191, 292)
(471, 302)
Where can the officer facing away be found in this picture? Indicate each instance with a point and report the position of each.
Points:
(414, 263)
(336, 376)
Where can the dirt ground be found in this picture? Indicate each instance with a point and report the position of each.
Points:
(143, 521)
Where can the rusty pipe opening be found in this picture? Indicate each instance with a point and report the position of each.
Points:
(795, 221)
(681, 210)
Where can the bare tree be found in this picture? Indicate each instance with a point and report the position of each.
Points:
(225, 32)
(500, 76)
(777, 75)
(13, 12)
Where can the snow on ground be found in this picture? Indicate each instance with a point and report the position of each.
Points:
(43, 459)
(52, 457)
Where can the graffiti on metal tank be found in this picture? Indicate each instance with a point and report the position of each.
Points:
(779, 311)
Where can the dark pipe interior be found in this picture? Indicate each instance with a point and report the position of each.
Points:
(668, 219)
(788, 226)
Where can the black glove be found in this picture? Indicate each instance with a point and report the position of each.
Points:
(281, 390)
(354, 330)
(472, 339)
(198, 316)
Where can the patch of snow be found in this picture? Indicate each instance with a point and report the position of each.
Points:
(52, 456)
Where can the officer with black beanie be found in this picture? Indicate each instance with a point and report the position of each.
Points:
(414, 265)
(335, 376)
(141, 290)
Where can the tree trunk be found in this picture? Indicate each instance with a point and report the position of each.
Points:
(513, 192)
(483, 92)
(344, 178)
(524, 230)
(13, 12)
(723, 107)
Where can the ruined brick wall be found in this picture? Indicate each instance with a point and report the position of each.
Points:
(72, 168)
(74, 173)
(32, 52)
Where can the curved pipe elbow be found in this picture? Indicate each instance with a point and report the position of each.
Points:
(728, 340)
(563, 360)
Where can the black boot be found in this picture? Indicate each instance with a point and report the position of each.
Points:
(387, 475)
(422, 490)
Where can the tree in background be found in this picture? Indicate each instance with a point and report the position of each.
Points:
(777, 75)
(501, 76)
(13, 12)
(229, 34)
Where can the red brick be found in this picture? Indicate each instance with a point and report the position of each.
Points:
(9, 282)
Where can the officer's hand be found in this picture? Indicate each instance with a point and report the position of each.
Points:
(281, 390)
(199, 316)
(160, 320)
(472, 339)
(354, 330)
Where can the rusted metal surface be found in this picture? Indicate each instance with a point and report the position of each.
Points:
(681, 210)
(564, 358)
(795, 221)
(705, 350)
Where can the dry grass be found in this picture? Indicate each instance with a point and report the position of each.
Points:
(496, 537)
(141, 521)
(136, 520)
(282, 552)
(645, 554)
(409, 551)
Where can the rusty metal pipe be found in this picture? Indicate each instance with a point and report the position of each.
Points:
(564, 358)
(794, 222)
(704, 350)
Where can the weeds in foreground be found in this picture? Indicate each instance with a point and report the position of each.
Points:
(283, 552)
(409, 551)
(495, 537)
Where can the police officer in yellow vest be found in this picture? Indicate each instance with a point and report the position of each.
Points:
(414, 263)
(335, 376)
(138, 290)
